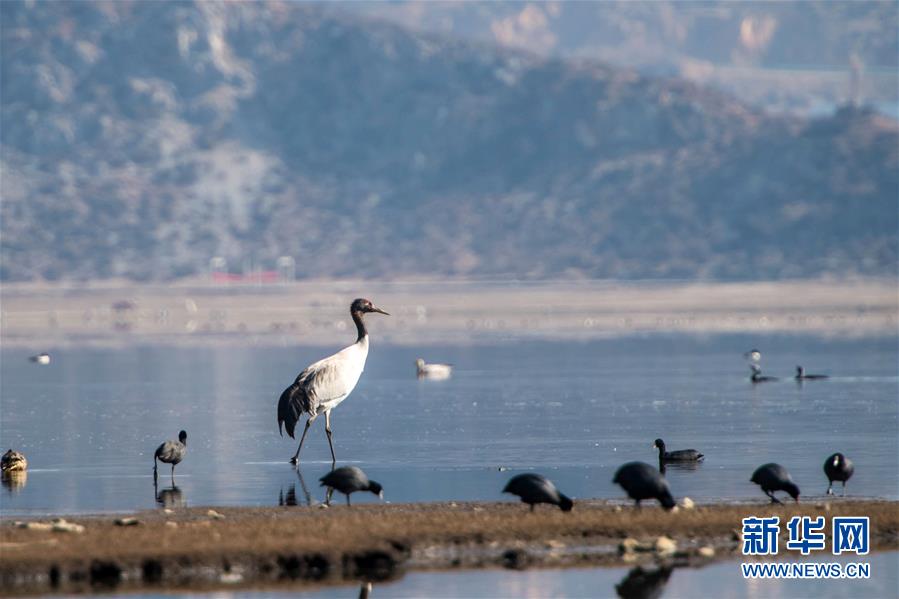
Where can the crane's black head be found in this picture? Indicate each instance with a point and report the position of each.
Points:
(182, 436)
(659, 443)
(363, 306)
(376, 488)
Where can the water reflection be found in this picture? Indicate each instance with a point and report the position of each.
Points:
(290, 497)
(365, 590)
(15, 481)
(644, 583)
(679, 466)
(169, 497)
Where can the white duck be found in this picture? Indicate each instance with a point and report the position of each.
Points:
(433, 371)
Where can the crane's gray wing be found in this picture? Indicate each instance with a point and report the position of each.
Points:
(330, 379)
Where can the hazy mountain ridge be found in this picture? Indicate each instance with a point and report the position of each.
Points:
(142, 139)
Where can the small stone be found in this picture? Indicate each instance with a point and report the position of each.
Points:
(554, 544)
(706, 551)
(628, 545)
(168, 511)
(61, 525)
(127, 521)
(231, 578)
(215, 515)
(323, 506)
(618, 508)
(35, 525)
(687, 503)
(171, 524)
(665, 546)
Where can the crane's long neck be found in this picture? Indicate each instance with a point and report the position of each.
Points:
(360, 326)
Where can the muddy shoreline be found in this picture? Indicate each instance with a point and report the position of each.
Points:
(203, 548)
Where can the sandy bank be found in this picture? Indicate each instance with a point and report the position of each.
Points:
(301, 546)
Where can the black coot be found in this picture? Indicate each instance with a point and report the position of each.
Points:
(534, 489)
(642, 481)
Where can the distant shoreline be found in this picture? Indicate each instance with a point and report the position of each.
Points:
(314, 312)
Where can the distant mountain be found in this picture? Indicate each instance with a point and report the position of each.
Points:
(142, 139)
(803, 57)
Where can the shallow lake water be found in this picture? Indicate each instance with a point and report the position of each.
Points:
(723, 580)
(90, 421)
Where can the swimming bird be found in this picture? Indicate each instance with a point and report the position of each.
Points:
(349, 479)
(801, 376)
(680, 455)
(534, 489)
(757, 375)
(433, 371)
(43, 358)
(13, 461)
(642, 481)
(324, 384)
(171, 452)
(838, 467)
(774, 477)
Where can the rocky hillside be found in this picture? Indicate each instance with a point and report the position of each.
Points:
(142, 139)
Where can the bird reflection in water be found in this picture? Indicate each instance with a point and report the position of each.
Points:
(644, 583)
(15, 481)
(365, 590)
(169, 497)
(682, 466)
(290, 497)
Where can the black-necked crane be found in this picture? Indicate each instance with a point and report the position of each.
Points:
(324, 384)
(171, 452)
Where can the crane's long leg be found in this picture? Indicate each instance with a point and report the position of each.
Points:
(296, 456)
(830, 488)
(773, 498)
(330, 444)
(155, 475)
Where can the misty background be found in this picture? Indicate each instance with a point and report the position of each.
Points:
(155, 141)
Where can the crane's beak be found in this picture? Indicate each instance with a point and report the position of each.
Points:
(379, 311)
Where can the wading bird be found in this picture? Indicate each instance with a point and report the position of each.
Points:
(349, 479)
(534, 489)
(838, 467)
(323, 385)
(680, 455)
(171, 452)
(774, 477)
(801, 376)
(642, 481)
(433, 371)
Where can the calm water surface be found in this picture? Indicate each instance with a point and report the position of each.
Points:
(90, 421)
(722, 580)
